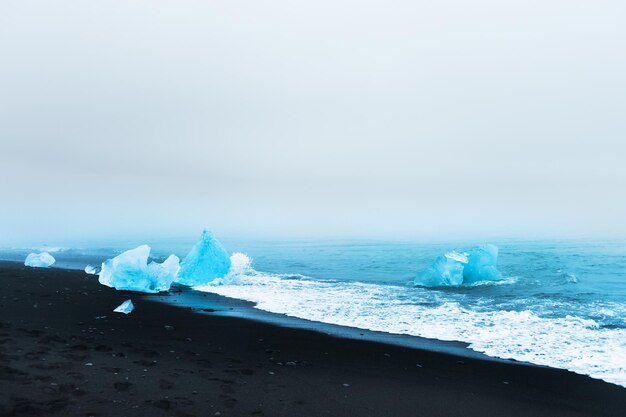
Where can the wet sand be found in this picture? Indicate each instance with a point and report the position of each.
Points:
(64, 352)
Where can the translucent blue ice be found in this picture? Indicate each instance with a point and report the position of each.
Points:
(126, 307)
(445, 270)
(39, 260)
(131, 271)
(91, 270)
(482, 265)
(206, 261)
(455, 268)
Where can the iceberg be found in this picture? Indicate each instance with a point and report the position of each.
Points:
(131, 271)
(39, 260)
(126, 307)
(207, 261)
(456, 268)
(481, 265)
(91, 270)
(445, 270)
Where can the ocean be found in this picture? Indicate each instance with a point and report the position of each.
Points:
(561, 303)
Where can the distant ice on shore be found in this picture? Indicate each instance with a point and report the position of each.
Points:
(91, 270)
(458, 268)
(131, 271)
(39, 260)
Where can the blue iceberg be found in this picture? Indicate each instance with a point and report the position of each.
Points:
(458, 268)
(39, 260)
(126, 307)
(131, 271)
(207, 261)
(482, 265)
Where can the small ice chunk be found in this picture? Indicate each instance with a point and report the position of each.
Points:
(39, 260)
(456, 268)
(126, 307)
(131, 271)
(91, 270)
(206, 261)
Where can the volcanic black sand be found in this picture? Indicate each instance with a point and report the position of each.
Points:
(64, 352)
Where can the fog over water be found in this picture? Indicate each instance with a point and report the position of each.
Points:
(402, 119)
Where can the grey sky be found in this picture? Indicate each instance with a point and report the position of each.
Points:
(325, 118)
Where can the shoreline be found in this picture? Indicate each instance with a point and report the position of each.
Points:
(64, 352)
(197, 301)
(186, 297)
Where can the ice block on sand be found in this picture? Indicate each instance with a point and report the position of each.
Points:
(131, 271)
(206, 261)
(39, 260)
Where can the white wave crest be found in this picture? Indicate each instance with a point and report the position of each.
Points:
(505, 281)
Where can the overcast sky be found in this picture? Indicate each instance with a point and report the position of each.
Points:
(411, 119)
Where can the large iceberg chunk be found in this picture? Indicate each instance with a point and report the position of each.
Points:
(206, 261)
(131, 271)
(39, 260)
(454, 268)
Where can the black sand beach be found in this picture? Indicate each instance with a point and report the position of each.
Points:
(64, 352)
